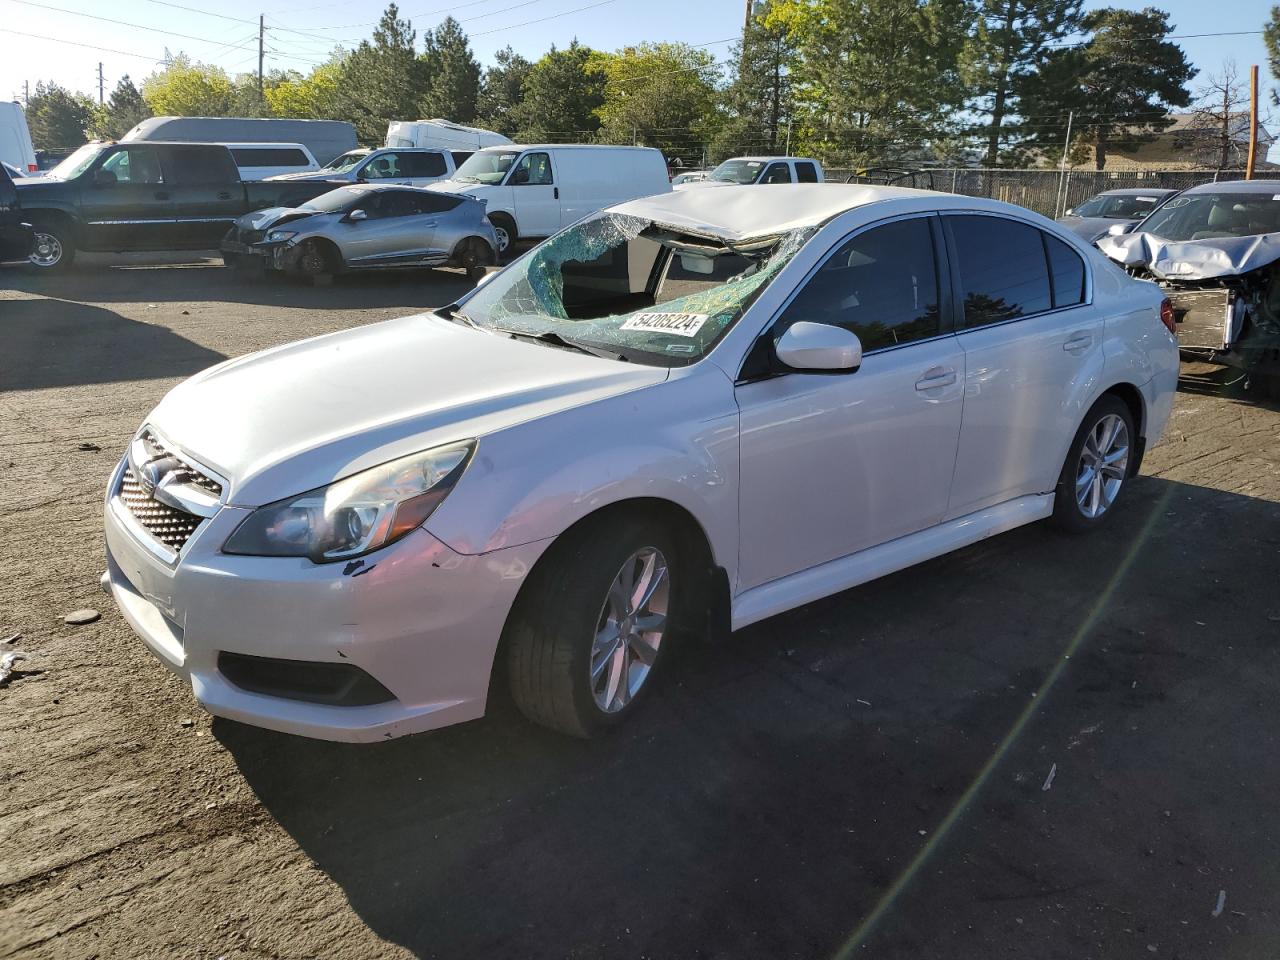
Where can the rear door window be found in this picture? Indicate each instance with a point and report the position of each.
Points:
(423, 165)
(806, 172)
(200, 166)
(1002, 268)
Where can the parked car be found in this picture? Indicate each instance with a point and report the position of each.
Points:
(17, 239)
(533, 191)
(259, 161)
(678, 416)
(365, 227)
(325, 139)
(15, 139)
(1215, 251)
(1096, 216)
(740, 171)
(110, 197)
(441, 135)
(407, 167)
(689, 176)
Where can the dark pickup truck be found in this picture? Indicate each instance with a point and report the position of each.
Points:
(115, 197)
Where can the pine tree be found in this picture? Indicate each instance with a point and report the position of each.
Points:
(383, 79)
(1271, 38)
(453, 74)
(501, 91)
(57, 118)
(659, 95)
(561, 97)
(1008, 40)
(123, 111)
(759, 97)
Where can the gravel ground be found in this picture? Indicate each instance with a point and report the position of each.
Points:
(1034, 747)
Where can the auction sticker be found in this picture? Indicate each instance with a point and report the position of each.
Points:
(680, 324)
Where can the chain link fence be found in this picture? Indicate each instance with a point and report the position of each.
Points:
(1049, 192)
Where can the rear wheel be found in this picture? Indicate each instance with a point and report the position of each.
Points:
(316, 262)
(475, 257)
(593, 625)
(54, 249)
(1096, 468)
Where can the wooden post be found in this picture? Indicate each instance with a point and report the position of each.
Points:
(1253, 121)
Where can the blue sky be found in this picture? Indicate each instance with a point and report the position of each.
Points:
(300, 32)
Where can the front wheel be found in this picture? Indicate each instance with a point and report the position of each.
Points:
(316, 262)
(1096, 468)
(593, 625)
(54, 249)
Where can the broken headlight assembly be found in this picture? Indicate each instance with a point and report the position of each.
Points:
(355, 515)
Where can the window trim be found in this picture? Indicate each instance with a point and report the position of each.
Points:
(768, 169)
(944, 280)
(957, 291)
(509, 180)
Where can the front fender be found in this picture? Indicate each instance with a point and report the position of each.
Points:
(675, 441)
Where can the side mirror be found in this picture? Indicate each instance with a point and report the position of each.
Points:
(1069, 213)
(819, 347)
(521, 176)
(357, 215)
(1119, 229)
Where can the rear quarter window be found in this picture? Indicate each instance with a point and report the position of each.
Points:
(1066, 270)
(269, 157)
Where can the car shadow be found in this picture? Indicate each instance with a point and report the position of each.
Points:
(187, 277)
(778, 784)
(61, 343)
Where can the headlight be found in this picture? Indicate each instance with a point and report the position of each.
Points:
(280, 236)
(355, 515)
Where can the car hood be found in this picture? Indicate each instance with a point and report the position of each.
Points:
(700, 184)
(272, 217)
(1091, 228)
(1193, 259)
(302, 415)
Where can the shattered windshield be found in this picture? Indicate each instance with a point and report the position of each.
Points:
(487, 166)
(738, 171)
(345, 162)
(632, 288)
(1117, 207)
(1211, 216)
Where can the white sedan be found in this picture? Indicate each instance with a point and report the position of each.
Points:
(673, 419)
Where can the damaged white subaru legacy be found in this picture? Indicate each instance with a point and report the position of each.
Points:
(672, 419)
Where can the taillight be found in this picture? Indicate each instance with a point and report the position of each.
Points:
(32, 168)
(1167, 317)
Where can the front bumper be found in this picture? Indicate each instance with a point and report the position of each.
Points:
(420, 619)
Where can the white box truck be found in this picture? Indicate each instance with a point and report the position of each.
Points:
(441, 134)
(15, 139)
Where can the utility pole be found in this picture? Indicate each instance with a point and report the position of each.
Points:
(260, 30)
(26, 94)
(1253, 121)
(1062, 168)
(101, 84)
(746, 19)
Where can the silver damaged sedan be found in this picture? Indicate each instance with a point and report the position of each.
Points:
(364, 227)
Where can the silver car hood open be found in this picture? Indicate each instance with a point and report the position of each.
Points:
(302, 415)
(271, 216)
(1193, 259)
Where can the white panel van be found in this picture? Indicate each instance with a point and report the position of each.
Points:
(15, 139)
(533, 191)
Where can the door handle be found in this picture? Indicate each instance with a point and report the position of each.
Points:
(557, 193)
(224, 195)
(161, 195)
(1078, 342)
(935, 378)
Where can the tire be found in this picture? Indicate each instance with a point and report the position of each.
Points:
(316, 262)
(505, 228)
(1084, 498)
(55, 249)
(561, 626)
(475, 256)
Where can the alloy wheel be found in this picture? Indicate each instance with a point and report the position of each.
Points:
(1104, 463)
(503, 238)
(630, 629)
(48, 250)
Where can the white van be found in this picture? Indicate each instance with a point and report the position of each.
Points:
(441, 134)
(257, 161)
(15, 139)
(533, 191)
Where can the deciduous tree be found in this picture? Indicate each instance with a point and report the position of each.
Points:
(188, 89)
(561, 97)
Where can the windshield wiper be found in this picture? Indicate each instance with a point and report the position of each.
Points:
(557, 340)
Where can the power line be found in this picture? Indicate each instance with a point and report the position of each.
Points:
(88, 46)
(554, 16)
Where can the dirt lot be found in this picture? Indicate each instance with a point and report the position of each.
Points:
(1035, 747)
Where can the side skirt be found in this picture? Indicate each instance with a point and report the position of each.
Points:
(825, 579)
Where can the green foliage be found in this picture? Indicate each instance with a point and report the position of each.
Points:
(658, 95)
(1271, 39)
(382, 79)
(1120, 84)
(187, 89)
(312, 97)
(123, 111)
(58, 118)
(453, 74)
(501, 91)
(561, 97)
(874, 79)
(759, 99)
(1007, 41)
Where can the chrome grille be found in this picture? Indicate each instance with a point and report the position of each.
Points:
(170, 526)
(188, 474)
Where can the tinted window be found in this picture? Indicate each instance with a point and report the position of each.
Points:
(806, 173)
(396, 203)
(882, 285)
(1002, 269)
(460, 157)
(1067, 271)
(777, 173)
(423, 165)
(434, 202)
(200, 165)
(269, 157)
